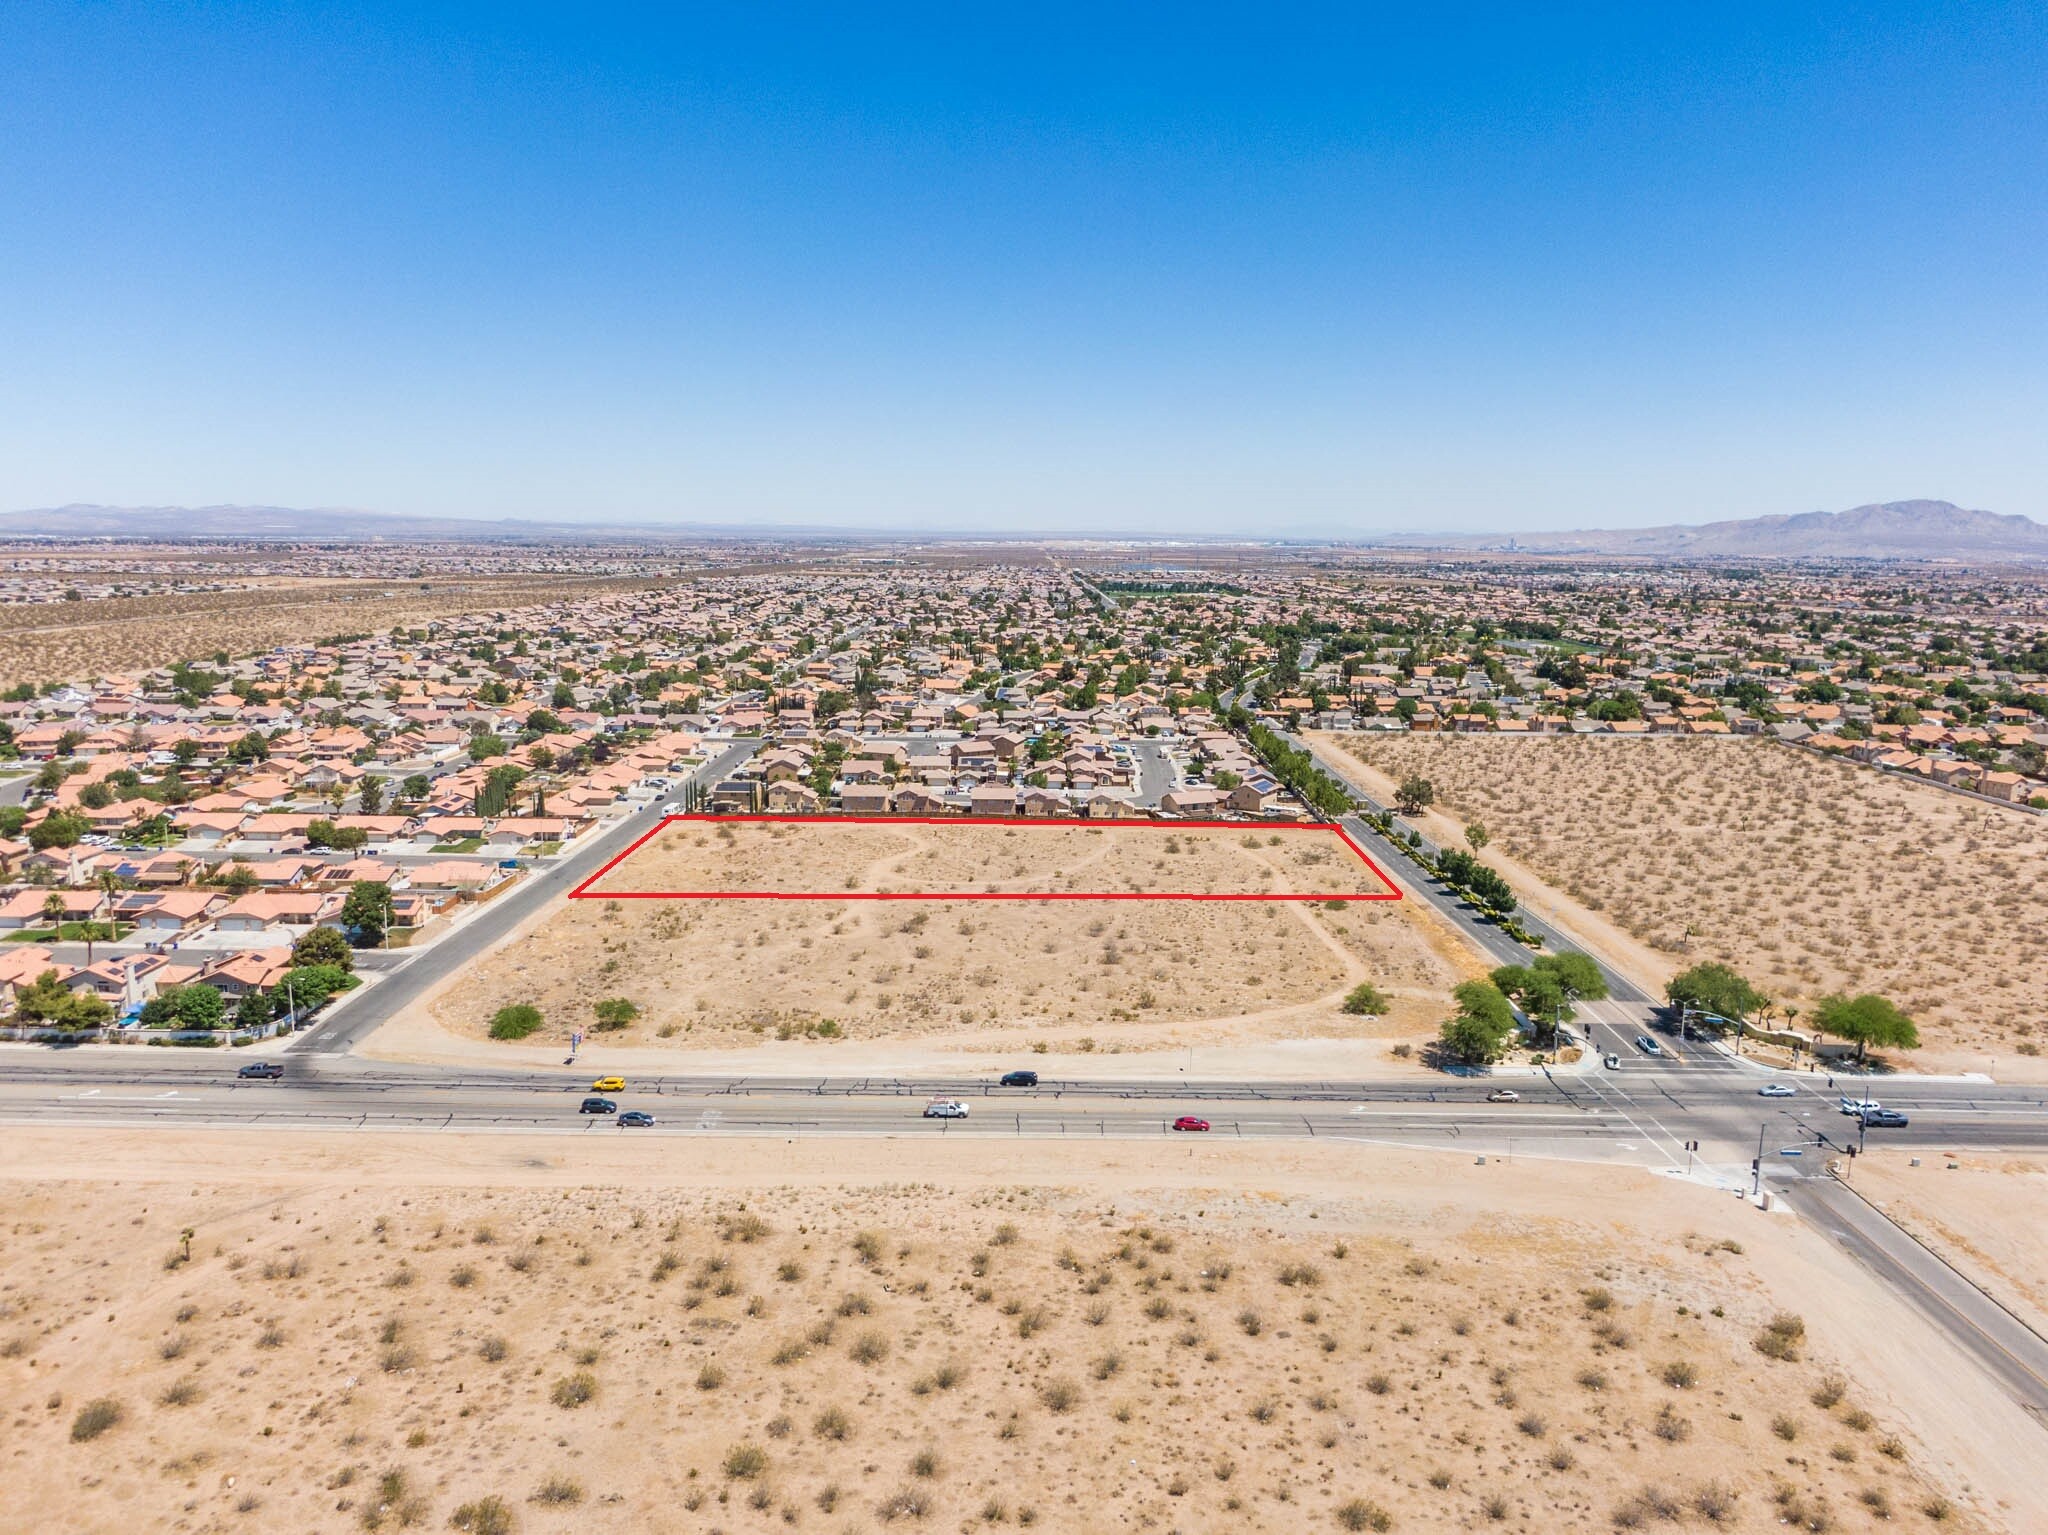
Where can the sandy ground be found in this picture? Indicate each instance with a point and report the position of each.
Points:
(1810, 876)
(89, 639)
(377, 1331)
(1987, 1215)
(998, 976)
(910, 857)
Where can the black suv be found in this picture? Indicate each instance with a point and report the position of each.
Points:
(1019, 1079)
(598, 1106)
(263, 1070)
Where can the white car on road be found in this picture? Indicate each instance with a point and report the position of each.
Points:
(1648, 1045)
(1856, 1108)
(945, 1108)
(1777, 1090)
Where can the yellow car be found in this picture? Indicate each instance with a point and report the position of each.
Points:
(608, 1085)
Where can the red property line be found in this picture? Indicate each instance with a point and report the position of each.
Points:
(584, 892)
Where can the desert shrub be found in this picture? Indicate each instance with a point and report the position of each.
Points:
(1785, 1427)
(744, 1462)
(832, 1423)
(493, 1349)
(1301, 1274)
(1059, 1395)
(904, 1503)
(869, 1348)
(1680, 1374)
(1781, 1337)
(1832, 1389)
(1363, 1514)
(95, 1419)
(558, 1490)
(1670, 1426)
(516, 1021)
(182, 1393)
(1365, 999)
(925, 1463)
(711, 1377)
(484, 1516)
(573, 1390)
(1714, 1503)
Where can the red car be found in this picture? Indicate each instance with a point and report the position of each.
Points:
(1189, 1122)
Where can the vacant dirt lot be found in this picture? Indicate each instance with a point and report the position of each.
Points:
(1044, 858)
(718, 972)
(349, 1348)
(83, 640)
(1988, 1215)
(1809, 876)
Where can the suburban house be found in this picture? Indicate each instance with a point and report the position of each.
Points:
(282, 908)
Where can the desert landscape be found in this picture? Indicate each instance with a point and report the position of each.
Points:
(45, 643)
(1809, 876)
(491, 1334)
(1146, 974)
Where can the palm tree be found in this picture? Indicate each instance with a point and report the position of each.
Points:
(53, 912)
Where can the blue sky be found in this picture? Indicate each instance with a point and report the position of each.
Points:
(1162, 269)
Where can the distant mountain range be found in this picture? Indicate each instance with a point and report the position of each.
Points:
(1890, 530)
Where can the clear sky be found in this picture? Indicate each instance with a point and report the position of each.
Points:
(1170, 269)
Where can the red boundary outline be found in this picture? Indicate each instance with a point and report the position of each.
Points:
(583, 892)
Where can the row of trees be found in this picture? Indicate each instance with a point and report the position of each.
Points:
(1295, 768)
(1461, 871)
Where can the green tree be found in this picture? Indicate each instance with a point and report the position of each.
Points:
(53, 911)
(366, 911)
(1477, 836)
(184, 1007)
(483, 746)
(1414, 795)
(307, 987)
(1714, 988)
(49, 1001)
(96, 796)
(324, 946)
(1478, 1033)
(253, 1011)
(370, 798)
(239, 879)
(1867, 1020)
(1366, 1000)
(615, 1012)
(417, 786)
(60, 828)
(324, 833)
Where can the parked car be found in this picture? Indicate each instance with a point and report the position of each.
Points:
(1190, 1122)
(598, 1106)
(1884, 1119)
(608, 1085)
(1856, 1108)
(1503, 1095)
(1777, 1090)
(1648, 1045)
(636, 1119)
(268, 1071)
(1019, 1079)
(945, 1108)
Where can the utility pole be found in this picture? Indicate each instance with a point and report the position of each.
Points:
(1756, 1167)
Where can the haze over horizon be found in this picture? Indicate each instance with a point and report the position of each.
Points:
(1157, 271)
